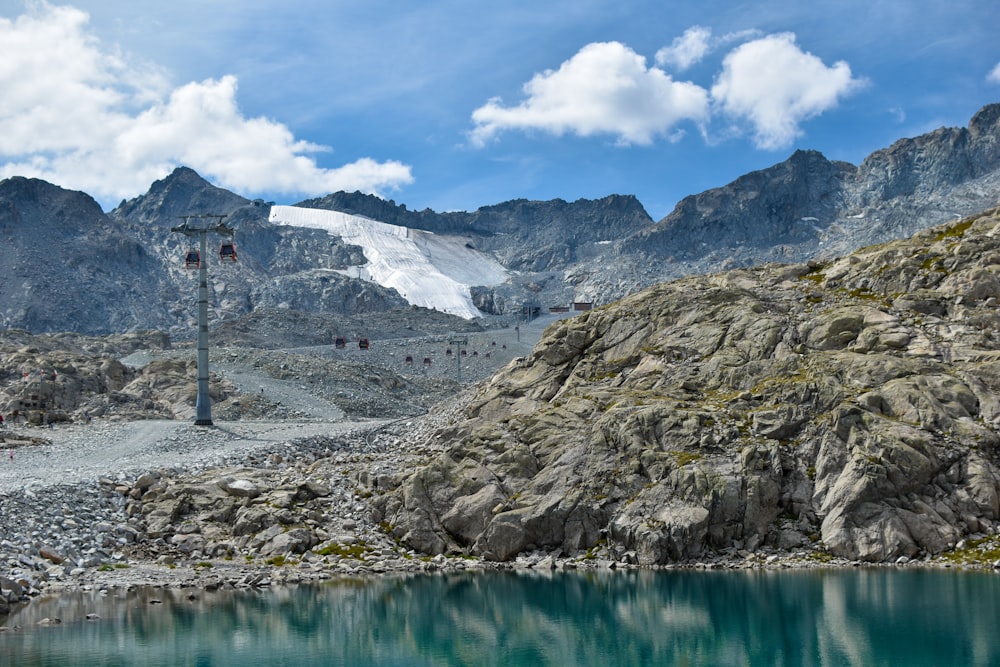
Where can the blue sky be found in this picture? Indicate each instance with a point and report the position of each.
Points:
(457, 104)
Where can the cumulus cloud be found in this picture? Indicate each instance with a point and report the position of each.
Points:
(687, 49)
(606, 88)
(766, 83)
(775, 86)
(83, 117)
(994, 75)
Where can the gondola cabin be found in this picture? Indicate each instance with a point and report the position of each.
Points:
(192, 260)
(340, 342)
(227, 251)
(363, 344)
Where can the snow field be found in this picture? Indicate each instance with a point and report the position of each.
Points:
(427, 269)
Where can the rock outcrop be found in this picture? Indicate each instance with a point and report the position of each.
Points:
(848, 407)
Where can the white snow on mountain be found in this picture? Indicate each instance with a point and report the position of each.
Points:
(427, 269)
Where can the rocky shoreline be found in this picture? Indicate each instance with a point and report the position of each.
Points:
(291, 513)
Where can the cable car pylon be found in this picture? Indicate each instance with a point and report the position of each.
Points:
(203, 405)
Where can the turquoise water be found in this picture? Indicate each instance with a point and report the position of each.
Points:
(784, 618)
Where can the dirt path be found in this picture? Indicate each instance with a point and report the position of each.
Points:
(283, 392)
(78, 453)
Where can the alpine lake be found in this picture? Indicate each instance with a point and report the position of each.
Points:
(813, 617)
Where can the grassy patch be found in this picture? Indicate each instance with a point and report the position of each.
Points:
(955, 231)
(358, 550)
(983, 550)
(820, 556)
(684, 458)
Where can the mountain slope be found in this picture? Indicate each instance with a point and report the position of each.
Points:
(63, 264)
(847, 408)
(523, 235)
(68, 266)
(430, 270)
(808, 206)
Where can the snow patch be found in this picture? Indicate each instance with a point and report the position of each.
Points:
(427, 269)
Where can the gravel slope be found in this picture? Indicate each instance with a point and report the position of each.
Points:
(71, 454)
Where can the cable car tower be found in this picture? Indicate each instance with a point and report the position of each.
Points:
(190, 227)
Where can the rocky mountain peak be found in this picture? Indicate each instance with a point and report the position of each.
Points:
(181, 193)
(28, 204)
(985, 121)
(810, 207)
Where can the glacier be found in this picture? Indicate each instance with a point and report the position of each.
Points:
(431, 270)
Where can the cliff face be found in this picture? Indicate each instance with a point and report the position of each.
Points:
(848, 406)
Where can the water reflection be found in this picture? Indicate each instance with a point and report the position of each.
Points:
(866, 617)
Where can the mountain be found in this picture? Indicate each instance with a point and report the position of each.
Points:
(279, 267)
(808, 206)
(64, 265)
(532, 236)
(123, 270)
(804, 207)
(429, 270)
(844, 408)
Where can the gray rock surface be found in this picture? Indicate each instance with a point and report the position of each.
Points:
(826, 405)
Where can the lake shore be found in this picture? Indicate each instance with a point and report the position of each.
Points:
(251, 505)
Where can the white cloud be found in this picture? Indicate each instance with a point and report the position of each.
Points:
(994, 75)
(774, 85)
(687, 49)
(79, 116)
(606, 88)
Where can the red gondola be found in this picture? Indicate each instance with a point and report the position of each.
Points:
(363, 344)
(227, 251)
(340, 342)
(192, 260)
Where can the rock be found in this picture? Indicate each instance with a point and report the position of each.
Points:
(296, 541)
(240, 488)
(50, 555)
(685, 420)
(145, 480)
(10, 588)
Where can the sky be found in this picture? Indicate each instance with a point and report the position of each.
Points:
(457, 104)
